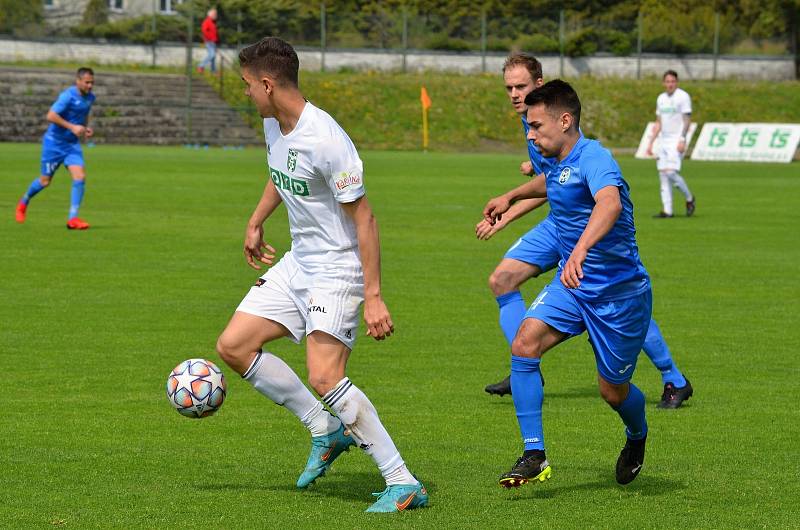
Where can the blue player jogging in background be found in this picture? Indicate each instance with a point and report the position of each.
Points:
(68, 119)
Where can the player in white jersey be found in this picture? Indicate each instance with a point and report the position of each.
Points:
(673, 117)
(316, 289)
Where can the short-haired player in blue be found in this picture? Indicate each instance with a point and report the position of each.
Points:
(69, 119)
(537, 251)
(601, 285)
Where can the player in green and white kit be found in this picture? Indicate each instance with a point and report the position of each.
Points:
(316, 289)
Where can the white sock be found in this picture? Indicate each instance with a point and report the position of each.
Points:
(666, 192)
(276, 380)
(361, 419)
(681, 185)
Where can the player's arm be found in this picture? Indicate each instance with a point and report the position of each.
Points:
(54, 117)
(606, 210)
(88, 130)
(687, 121)
(656, 131)
(533, 189)
(255, 248)
(485, 230)
(376, 314)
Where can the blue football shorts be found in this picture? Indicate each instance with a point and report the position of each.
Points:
(616, 329)
(56, 153)
(539, 246)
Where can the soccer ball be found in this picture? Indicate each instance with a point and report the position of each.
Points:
(196, 388)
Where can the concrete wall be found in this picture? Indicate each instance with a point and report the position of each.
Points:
(688, 67)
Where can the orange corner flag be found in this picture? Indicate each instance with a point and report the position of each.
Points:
(425, 99)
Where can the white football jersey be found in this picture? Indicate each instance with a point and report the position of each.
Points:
(315, 168)
(671, 110)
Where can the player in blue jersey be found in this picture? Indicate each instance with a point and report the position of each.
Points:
(536, 251)
(601, 285)
(69, 123)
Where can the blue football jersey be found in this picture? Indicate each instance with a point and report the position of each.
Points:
(540, 163)
(612, 270)
(74, 107)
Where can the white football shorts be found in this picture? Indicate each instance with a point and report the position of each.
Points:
(669, 157)
(303, 302)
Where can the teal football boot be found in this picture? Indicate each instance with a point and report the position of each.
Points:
(324, 450)
(400, 497)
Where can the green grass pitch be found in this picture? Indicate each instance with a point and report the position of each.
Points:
(92, 322)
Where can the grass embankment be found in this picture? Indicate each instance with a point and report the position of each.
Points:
(471, 112)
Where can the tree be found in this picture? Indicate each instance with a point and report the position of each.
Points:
(18, 17)
(96, 13)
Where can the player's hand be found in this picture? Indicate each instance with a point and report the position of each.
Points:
(376, 315)
(681, 146)
(649, 151)
(88, 132)
(526, 168)
(78, 130)
(572, 273)
(495, 208)
(485, 230)
(255, 247)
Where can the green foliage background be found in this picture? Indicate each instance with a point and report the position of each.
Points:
(591, 26)
(471, 112)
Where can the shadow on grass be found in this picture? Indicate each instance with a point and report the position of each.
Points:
(589, 391)
(356, 486)
(649, 486)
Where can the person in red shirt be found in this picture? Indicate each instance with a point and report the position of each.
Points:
(209, 32)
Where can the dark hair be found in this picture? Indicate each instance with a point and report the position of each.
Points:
(83, 70)
(556, 96)
(673, 73)
(527, 60)
(272, 56)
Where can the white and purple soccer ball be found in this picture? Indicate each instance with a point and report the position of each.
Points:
(196, 388)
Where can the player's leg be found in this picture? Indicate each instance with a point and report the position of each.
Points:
(266, 313)
(78, 174)
(51, 159)
(532, 254)
(544, 327)
(505, 282)
(665, 165)
(677, 388)
(327, 359)
(617, 332)
(679, 182)
(666, 194)
(240, 346)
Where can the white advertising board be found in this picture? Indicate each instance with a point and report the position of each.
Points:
(751, 142)
(641, 152)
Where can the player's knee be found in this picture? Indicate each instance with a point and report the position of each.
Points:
(322, 382)
(502, 282)
(613, 395)
(44, 181)
(228, 350)
(526, 345)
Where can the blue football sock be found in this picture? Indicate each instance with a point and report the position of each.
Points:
(528, 394)
(632, 413)
(512, 313)
(33, 189)
(76, 197)
(657, 350)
